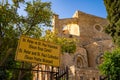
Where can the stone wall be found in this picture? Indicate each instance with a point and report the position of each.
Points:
(87, 74)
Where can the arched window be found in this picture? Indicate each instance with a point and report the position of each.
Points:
(99, 58)
(79, 62)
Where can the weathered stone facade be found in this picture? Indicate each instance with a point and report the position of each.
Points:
(88, 29)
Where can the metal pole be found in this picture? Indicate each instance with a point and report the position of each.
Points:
(67, 73)
(20, 72)
(57, 76)
(51, 74)
(38, 72)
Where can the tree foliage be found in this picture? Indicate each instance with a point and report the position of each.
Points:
(68, 45)
(12, 25)
(113, 11)
(111, 65)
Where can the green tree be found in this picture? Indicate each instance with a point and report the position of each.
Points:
(111, 65)
(113, 11)
(68, 45)
(12, 25)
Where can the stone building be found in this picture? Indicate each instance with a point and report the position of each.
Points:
(88, 29)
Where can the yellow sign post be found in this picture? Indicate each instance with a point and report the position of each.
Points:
(36, 51)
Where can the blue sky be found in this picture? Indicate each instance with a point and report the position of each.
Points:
(66, 8)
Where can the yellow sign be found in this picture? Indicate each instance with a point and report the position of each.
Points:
(36, 51)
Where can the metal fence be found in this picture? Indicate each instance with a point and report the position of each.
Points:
(59, 74)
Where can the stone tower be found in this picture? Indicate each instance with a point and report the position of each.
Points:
(88, 29)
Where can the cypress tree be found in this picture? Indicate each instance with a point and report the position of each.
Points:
(113, 11)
